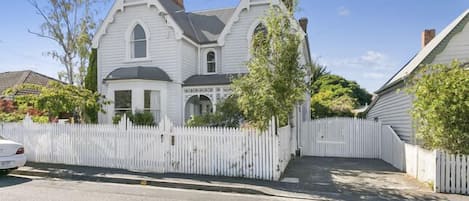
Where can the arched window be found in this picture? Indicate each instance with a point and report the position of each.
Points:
(260, 29)
(211, 62)
(259, 34)
(139, 42)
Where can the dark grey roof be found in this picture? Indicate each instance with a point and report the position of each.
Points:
(141, 73)
(11, 79)
(217, 79)
(202, 27)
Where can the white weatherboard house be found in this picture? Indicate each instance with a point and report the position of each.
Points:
(154, 56)
(392, 106)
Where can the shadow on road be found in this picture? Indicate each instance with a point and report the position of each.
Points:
(6, 181)
(333, 178)
(356, 179)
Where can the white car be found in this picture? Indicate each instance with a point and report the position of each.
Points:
(11, 156)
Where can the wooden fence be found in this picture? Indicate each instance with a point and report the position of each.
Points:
(341, 137)
(452, 173)
(163, 149)
(392, 148)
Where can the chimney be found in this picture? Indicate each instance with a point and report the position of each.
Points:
(180, 3)
(304, 24)
(427, 36)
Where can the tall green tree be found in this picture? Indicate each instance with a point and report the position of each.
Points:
(440, 107)
(275, 83)
(317, 70)
(91, 79)
(70, 24)
(333, 95)
(91, 83)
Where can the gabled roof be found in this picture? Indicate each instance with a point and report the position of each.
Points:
(427, 54)
(141, 73)
(11, 79)
(202, 26)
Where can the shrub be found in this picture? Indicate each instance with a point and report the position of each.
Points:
(139, 118)
(143, 119)
(441, 107)
(11, 117)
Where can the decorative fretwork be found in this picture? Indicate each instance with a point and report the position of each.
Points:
(215, 94)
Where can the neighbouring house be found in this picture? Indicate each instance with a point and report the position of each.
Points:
(392, 105)
(154, 56)
(14, 78)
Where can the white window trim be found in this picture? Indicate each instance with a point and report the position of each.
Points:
(205, 64)
(250, 35)
(122, 109)
(129, 40)
(251, 30)
(138, 93)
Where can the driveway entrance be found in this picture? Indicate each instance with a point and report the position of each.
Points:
(341, 137)
(356, 179)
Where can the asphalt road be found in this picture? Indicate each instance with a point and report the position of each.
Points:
(14, 188)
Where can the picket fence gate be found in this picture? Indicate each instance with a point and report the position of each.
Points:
(452, 173)
(166, 148)
(341, 137)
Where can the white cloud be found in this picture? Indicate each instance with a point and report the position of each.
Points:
(343, 11)
(372, 56)
(370, 69)
(374, 75)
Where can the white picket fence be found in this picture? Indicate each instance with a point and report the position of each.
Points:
(245, 153)
(392, 148)
(341, 137)
(449, 173)
(452, 173)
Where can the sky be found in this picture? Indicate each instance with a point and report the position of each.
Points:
(362, 40)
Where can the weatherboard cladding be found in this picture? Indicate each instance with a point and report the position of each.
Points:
(162, 44)
(393, 108)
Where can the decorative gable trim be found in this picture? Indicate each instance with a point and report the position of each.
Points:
(246, 5)
(119, 6)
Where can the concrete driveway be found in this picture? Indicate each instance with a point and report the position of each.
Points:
(358, 179)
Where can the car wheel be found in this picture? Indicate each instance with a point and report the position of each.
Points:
(4, 172)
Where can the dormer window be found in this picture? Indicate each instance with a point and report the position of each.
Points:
(139, 42)
(211, 62)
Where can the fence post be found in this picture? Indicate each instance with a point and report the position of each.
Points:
(436, 185)
(380, 139)
(272, 131)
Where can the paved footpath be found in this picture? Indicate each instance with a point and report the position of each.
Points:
(14, 188)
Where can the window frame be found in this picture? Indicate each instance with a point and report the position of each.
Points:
(157, 118)
(214, 62)
(122, 110)
(129, 41)
(134, 42)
